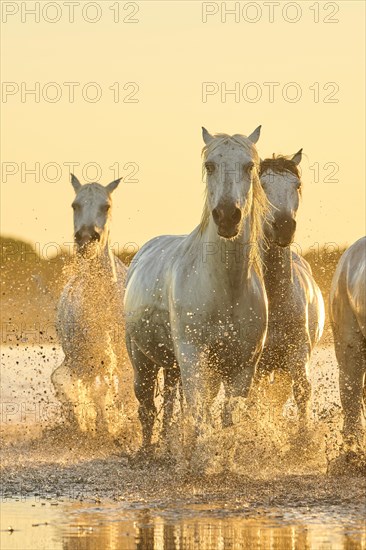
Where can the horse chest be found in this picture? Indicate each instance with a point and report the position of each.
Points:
(86, 315)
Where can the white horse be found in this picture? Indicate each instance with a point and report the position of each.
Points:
(90, 311)
(196, 304)
(348, 319)
(295, 303)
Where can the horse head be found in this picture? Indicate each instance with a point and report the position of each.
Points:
(281, 182)
(92, 215)
(231, 164)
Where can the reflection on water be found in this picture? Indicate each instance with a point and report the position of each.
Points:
(52, 526)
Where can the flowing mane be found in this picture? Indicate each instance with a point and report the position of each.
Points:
(259, 204)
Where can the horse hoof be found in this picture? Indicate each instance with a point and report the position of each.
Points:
(227, 421)
(144, 456)
(348, 463)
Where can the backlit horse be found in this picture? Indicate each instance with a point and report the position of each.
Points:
(295, 303)
(195, 304)
(348, 319)
(90, 311)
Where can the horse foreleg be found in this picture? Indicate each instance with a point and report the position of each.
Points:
(118, 387)
(200, 385)
(145, 373)
(98, 391)
(171, 381)
(301, 386)
(64, 384)
(237, 387)
(352, 366)
(350, 348)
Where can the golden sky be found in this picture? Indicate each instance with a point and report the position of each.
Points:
(169, 53)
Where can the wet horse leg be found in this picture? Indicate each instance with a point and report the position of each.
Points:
(301, 386)
(200, 385)
(145, 373)
(98, 392)
(64, 383)
(351, 358)
(237, 386)
(171, 382)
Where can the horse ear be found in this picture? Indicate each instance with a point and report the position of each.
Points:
(297, 157)
(254, 136)
(75, 183)
(207, 138)
(113, 185)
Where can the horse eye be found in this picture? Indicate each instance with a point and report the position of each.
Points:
(75, 206)
(248, 167)
(210, 167)
(106, 207)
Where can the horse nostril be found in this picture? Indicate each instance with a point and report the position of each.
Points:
(86, 235)
(236, 216)
(216, 215)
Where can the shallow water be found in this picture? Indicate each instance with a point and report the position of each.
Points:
(248, 487)
(34, 524)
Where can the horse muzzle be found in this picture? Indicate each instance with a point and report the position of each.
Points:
(84, 238)
(284, 228)
(227, 218)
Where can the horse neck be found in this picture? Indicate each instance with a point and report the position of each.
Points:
(277, 268)
(227, 259)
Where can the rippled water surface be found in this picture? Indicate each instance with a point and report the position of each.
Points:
(200, 526)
